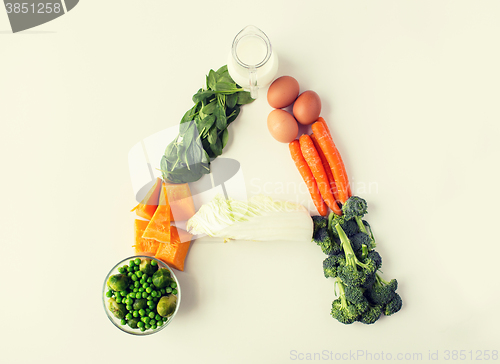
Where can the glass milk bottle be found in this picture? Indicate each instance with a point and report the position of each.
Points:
(252, 62)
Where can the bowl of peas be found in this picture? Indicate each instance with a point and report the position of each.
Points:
(141, 295)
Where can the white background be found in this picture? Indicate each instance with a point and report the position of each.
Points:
(410, 90)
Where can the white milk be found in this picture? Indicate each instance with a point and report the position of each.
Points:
(252, 51)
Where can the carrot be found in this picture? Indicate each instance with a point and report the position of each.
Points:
(326, 166)
(308, 177)
(314, 162)
(334, 159)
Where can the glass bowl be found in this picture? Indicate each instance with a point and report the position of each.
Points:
(106, 299)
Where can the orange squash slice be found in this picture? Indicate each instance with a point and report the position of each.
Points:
(159, 226)
(181, 201)
(142, 245)
(147, 207)
(174, 252)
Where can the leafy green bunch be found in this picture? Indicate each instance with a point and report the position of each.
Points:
(354, 263)
(203, 130)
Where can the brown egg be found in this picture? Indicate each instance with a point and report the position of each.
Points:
(283, 92)
(282, 126)
(307, 107)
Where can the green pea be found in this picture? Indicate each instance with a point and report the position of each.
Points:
(159, 323)
(118, 300)
(153, 262)
(125, 268)
(153, 327)
(129, 274)
(163, 291)
(109, 294)
(149, 280)
(134, 277)
(144, 294)
(137, 261)
(174, 291)
(142, 281)
(169, 290)
(151, 304)
(129, 307)
(123, 322)
(152, 315)
(128, 316)
(142, 312)
(136, 284)
(146, 319)
(158, 317)
(140, 324)
(164, 319)
(131, 264)
(149, 290)
(135, 290)
(121, 270)
(142, 328)
(147, 326)
(141, 289)
(145, 285)
(135, 313)
(173, 285)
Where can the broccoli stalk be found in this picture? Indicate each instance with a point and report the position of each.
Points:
(349, 273)
(342, 310)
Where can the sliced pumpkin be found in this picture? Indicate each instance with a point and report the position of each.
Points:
(143, 245)
(174, 252)
(159, 225)
(181, 201)
(147, 207)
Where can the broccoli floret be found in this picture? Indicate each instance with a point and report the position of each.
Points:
(354, 294)
(357, 242)
(328, 244)
(342, 310)
(354, 272)
(354, 207)
(371, 315)
(331, 264)
(350, 227)
(382, 292)
(394, 305)
(319, 222)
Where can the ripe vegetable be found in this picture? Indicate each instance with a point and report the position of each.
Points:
(307, 107)
(308, 177)
(258, 219)
(161, 278)
(118, 282)
(159, 226)
(334, 159)
(143, 245)
(166, 305)
(348, 240)
(136, 305)
(314, 162)
(180, 200)
(326, 166)
(147, 207)
(175, 251)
